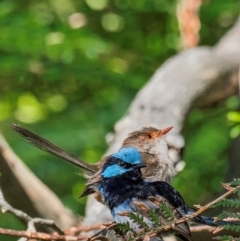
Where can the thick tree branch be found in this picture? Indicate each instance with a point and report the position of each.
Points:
(40, 236)
(6, 207)
(29, 194)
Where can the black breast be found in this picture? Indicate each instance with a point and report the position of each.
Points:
(122, 188)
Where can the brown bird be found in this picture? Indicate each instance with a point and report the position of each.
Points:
(149, 141)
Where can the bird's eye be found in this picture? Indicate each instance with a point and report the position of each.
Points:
(122, 164)
(149, 136)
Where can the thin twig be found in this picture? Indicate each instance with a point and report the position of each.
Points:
(75, 230)
(6, 207)
(41, 236)
(201, 228)
(207, 206)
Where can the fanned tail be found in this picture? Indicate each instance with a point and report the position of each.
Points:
(49, 147)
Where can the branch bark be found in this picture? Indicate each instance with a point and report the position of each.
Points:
(24, 191)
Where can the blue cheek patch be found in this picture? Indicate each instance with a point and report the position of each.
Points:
(113, 171)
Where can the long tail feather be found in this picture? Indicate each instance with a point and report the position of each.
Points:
(208, 220)
(49, 147)
(211, 221)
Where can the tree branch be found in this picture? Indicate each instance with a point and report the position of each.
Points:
(26, 185)
(40, 236)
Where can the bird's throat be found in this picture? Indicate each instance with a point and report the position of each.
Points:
(116, 189)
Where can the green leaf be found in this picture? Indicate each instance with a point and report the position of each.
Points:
(124, 228)
(167, 211)
(226, 214)
(226, 238)
(154, 217)
(234, 116)
(227, 203)
(138, 219)
(232, 227)
(235, 182)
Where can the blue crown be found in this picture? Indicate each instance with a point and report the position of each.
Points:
(129, 155)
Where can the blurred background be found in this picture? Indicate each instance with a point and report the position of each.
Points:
(69, 70)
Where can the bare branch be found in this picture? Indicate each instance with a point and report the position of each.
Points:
(75, 230)
(201, 228)
(6, 207)
(40, 236)
(25, 184)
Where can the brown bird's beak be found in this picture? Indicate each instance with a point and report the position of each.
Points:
(166, 130)
(140, 165)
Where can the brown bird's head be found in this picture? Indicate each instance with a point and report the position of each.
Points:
(148, 140)
(151, 143)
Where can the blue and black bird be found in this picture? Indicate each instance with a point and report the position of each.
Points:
(122, 186)
(123, 189)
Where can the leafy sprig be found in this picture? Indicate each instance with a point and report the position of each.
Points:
(227, 203)
(139, 220)
(168, 212)
(226, 238)
(226, 214)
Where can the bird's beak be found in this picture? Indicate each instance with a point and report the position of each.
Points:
(166, 130)
(140, 165)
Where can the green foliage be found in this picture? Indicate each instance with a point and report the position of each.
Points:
(169, 215)
(226, 214)
(69, 70)
(226, 238)
(228, 203)
(206, 151)
(154, 217)
(139, 220)
(232, 227)
(235, 182)
(123, 228)
(206, 155)
(233, 117)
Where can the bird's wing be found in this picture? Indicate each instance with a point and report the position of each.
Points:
(91, 183)
(156, 212)
(49, 147)
(173, 200)
(168, 192)
(167, 213)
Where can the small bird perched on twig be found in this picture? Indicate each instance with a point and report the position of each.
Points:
(149, 141)
(124, 191)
